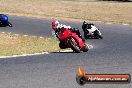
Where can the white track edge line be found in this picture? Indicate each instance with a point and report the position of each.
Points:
(24, 55)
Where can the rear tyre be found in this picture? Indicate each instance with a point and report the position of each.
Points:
(74, 45)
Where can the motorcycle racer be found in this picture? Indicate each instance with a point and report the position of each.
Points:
(4, 21)
(3, 18)
(56, 26)
(69, 37)
(89, 29)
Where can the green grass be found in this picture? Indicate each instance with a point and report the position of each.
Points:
(11, 44)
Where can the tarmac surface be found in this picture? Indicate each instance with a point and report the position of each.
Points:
(112, 54)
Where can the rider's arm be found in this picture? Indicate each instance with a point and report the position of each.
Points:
(57, 33)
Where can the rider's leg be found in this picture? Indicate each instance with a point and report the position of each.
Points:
(62, 45)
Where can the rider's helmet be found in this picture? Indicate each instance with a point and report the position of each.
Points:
(3, 18)
(55, 24)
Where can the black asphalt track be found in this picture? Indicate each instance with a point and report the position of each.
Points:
(58, 70)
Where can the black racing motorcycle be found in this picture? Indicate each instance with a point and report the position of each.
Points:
(90, 31)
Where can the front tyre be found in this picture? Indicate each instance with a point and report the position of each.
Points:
(85, 48)
(100, 37)
(74, 45)
(96, 33)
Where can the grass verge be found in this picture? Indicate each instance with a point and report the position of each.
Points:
(11, 44)
(104, 11)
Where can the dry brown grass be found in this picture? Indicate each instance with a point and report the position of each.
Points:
(116, 12)
(11, 44)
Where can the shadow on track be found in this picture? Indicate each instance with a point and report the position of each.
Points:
(63, 52)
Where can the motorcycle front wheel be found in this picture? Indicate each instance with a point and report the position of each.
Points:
(85, 49)
(74, 45)
(96, 33)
